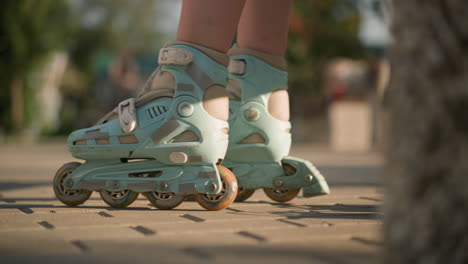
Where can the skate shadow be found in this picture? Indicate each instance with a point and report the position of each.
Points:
(263, 202)
(21, 207)
(337, 211)
(26, 208)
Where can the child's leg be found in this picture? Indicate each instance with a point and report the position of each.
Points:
(263, 29)
(210, 23)
(263, 26)
(259, 135)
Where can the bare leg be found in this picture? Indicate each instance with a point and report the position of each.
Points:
(210, 23)
(263, 26)
(263, 32)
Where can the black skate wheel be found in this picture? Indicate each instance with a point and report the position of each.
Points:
(68, 197)
(244, 194)
(215, 202)
(164, 201)
(281, 195)
(120, 199)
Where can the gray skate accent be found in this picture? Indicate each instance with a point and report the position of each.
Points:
(252, 236)
(195, 158)
(46, 225)
(184, 87)
(80, 245)
(144, 230)
(187, 188)
(164, 130)
(145, 185)
(199, 76)
(103, 141)
(128, 139)
(291, 223)
(93, 134)
(92, 185)
(207, 174)
(193, 218)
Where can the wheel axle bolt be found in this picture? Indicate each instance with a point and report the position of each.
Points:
(252, 114)
(279, 183)
(164, 186)
(185, 109)
(115, 185)
(308, 177)
(212, 187)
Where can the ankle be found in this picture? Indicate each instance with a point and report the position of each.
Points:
(276, 61)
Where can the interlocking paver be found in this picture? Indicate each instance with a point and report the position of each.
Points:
(343, 227)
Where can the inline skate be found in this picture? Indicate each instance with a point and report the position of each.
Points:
(259, 135)
(166, 143)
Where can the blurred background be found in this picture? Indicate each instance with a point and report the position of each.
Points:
(64, 64)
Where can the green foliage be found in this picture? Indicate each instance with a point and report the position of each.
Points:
(320, 30)
(29, 30)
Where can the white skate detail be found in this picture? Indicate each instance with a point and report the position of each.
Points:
(175, 56)
(127, 115)
(178, 157)
(236, 67)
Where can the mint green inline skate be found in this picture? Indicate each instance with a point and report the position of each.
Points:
(259, 135)
(166, 144)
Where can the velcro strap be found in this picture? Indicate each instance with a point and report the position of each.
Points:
(127, 115)
(175, 56)
(236, 67)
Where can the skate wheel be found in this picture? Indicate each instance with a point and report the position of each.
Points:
(118, 199)
(281, 195)
(68, 197)
(215, 202)
(244, 194)
(164, 201)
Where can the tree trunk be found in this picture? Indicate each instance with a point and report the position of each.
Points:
(426, 206)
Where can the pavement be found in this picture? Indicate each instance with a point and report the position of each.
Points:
(343, 227)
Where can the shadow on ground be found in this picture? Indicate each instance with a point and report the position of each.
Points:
(133, 251)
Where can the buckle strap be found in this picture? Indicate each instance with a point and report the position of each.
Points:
(127, 115)
(177, 56)
(236, 67)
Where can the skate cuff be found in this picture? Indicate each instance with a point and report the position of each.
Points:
(175, 56)
(127, 115)
(274, 60)
(220, 57)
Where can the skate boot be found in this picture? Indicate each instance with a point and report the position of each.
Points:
(166, 143)
(259, 135)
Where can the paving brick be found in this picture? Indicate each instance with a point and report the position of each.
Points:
(343, 227)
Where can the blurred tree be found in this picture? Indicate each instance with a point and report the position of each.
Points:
(29, 30)
(320, 30)
(90, 31)
(101, 29)
(426, 211)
